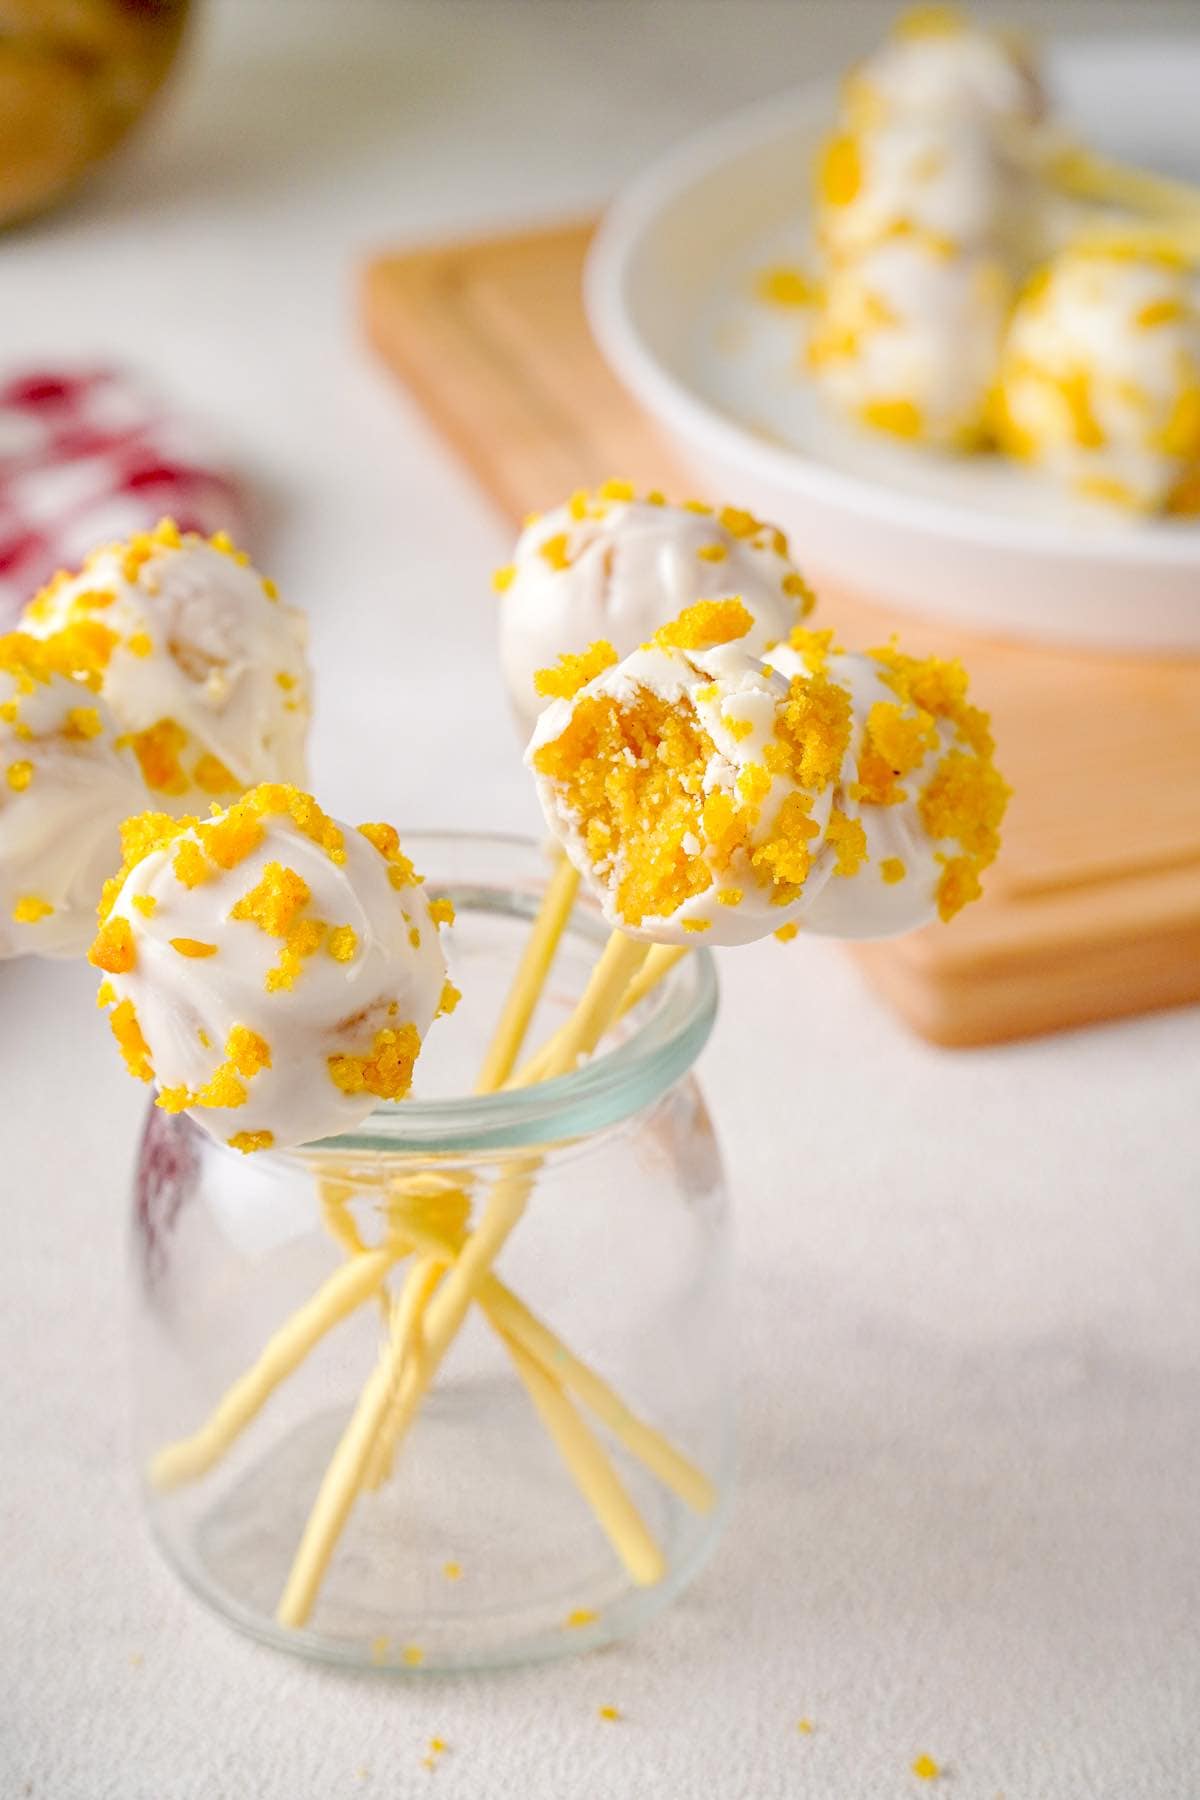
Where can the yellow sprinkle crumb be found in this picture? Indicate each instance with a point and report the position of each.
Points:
(438, 1746)
(342, 943)
(84, 722)
(123, 1023)
(275, 901)
(610, 1713)
(787, 932)
(502, 579)
(797, 588)
(925, 1769)
(113, 950)
(730, 897)
(140, 644)
(713, 553)
(616, 490)
(554, 551)
(193, 947)
(805, 1726)
(30, 908)
(452, 1571)
(413, 1655)
(441, 911)
(892, 869)
(247, 1051)
(250, 1141)
(211, 775)
(20, 774)
(145, 904)
(385, 1071)
(697, 925)
(583, 1615)
(106, 993)
(571, 673)
(449, 999)
(157, 750)
(784, 285)
(705, 625)
(270, 588)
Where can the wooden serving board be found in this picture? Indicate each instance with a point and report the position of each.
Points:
(1093, 909)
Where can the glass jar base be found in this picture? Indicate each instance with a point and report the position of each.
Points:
(465, 1558)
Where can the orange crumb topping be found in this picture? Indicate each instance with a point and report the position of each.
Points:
(385, 1071)
(582, 1615)
(839, 170)
(611, 1713)
(193, 947)
(449, 999)
(502, 579)
(797, 588)
(784, 285)
(713, 553)
(113, 949)
(247, 1051)
(123, 1023)
(787, 932)
(849, 842)
(19, 775)
(30, 908)
(275, 902)
(157, 750)
(926, 1769)
(705, 625)
(441, 911)
(571, 673)
(211, 775)
(342, 943)
(892, 870)
(249, 1141)
(83, 722)
(555, 551)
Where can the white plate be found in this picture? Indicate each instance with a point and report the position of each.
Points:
(978, 541)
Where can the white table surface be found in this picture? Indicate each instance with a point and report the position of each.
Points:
(968, 1521)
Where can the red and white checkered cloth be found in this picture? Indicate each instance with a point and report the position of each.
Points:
(89, 456)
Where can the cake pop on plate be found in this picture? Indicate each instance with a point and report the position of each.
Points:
(1099, 380)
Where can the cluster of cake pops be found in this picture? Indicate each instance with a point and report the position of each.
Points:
(987, 285)
(714, 768)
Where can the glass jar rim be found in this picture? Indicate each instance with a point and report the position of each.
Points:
(664, 1042)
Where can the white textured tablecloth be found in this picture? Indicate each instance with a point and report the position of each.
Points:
(968, 1520)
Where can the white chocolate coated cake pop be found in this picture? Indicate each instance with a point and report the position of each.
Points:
(918, 787)
(203, 667)
(941, 181)
(273, 971)
(935, 62)
(608, 565)
(65, 787)
(1099, 380)
(908, 339)
(702, 794)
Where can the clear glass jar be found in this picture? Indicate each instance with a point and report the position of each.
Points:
(479, 1547)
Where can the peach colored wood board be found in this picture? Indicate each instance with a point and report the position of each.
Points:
(1093, 910)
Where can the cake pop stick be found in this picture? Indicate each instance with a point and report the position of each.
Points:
(447, 1310)
(530, 978)
(657, 966)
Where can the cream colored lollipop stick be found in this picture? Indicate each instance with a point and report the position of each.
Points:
(658, 965)
(354, 1283)
(516, 1323)
(530, 978)
(620, 962)
(408, 1338)
(591, 1470)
